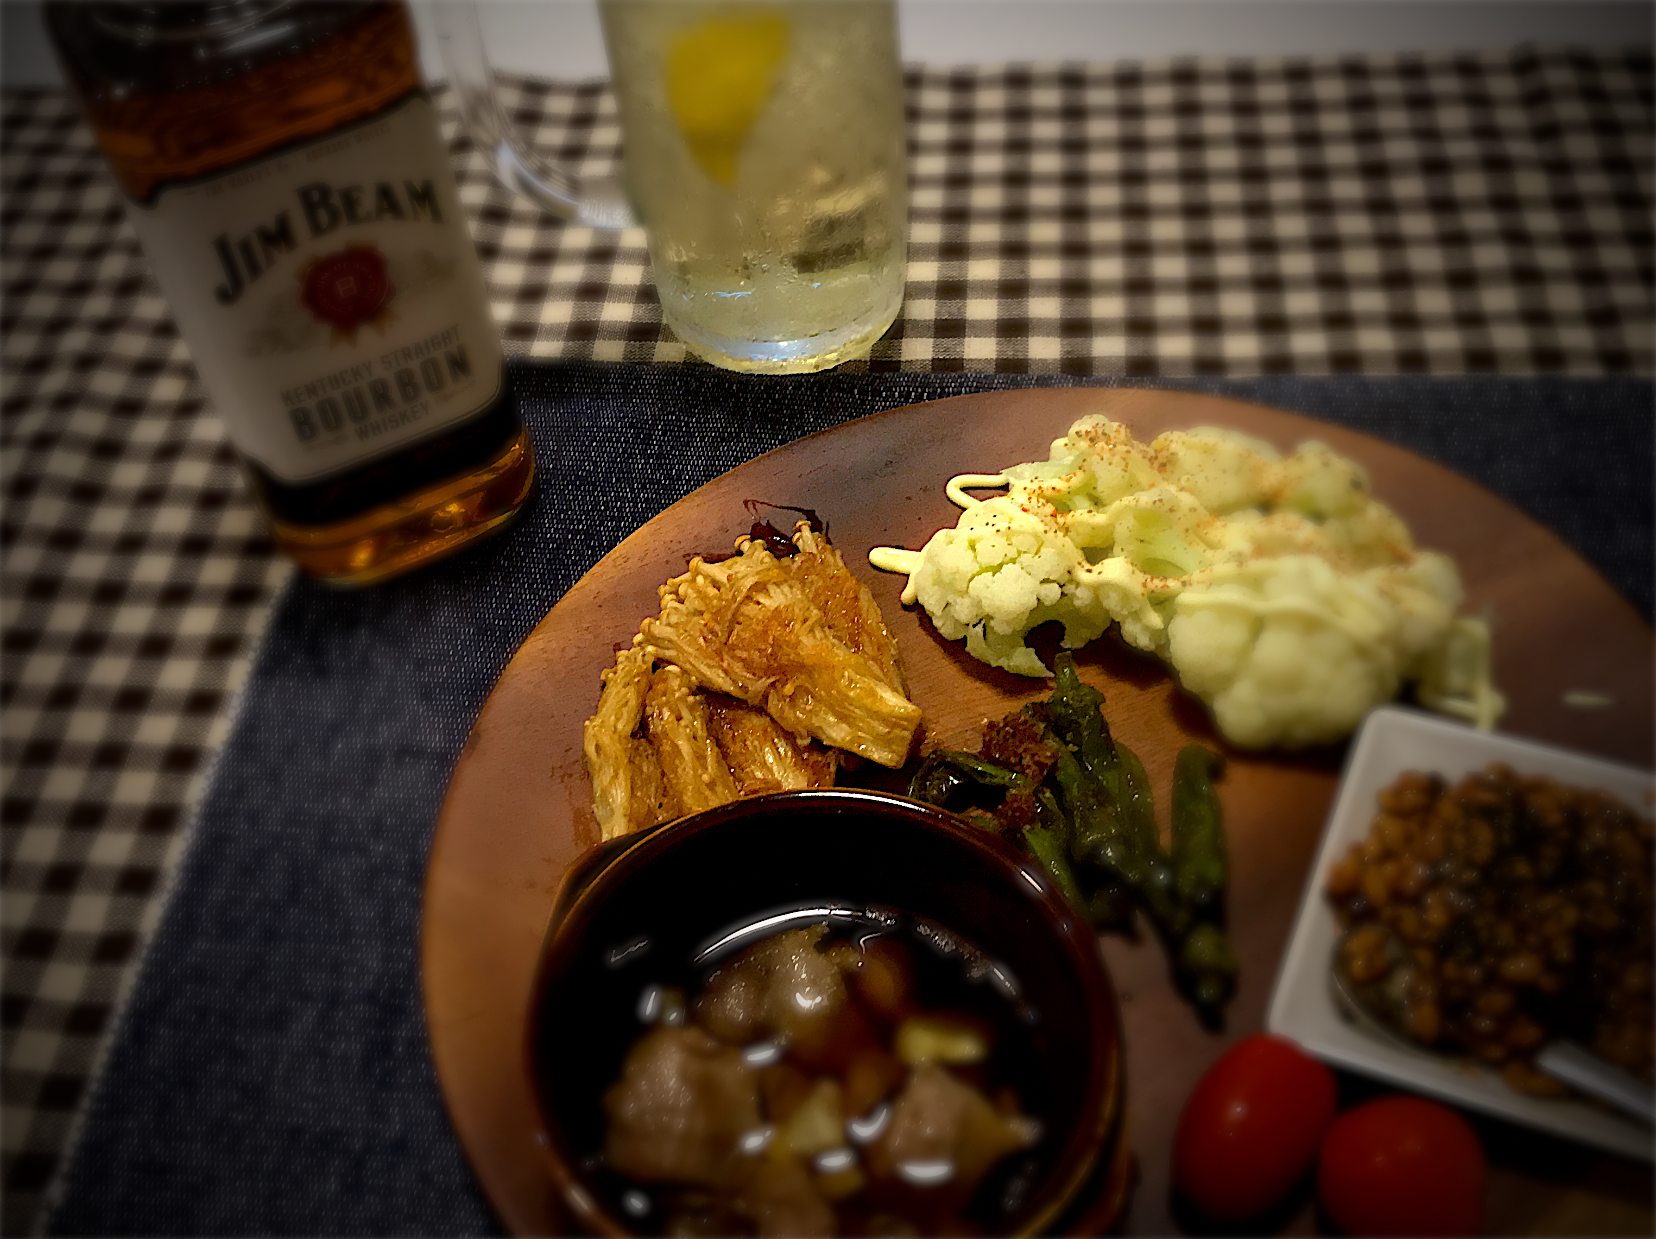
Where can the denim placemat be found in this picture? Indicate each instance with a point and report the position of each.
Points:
(271, 1073)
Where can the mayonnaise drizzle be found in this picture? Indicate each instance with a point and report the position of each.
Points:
(896, 559)
(956, 489)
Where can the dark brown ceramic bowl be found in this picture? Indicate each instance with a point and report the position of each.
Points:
(641, 919)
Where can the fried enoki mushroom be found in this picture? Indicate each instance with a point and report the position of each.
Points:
(756, 670)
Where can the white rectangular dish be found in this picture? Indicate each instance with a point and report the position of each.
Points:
(1303, 1007)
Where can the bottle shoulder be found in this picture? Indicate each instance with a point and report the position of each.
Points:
(296, 75)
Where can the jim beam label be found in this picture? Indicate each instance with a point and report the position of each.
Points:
(330, 294)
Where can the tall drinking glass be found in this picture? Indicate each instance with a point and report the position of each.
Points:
(764, 154)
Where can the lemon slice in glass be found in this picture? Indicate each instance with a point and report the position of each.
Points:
(720, 73)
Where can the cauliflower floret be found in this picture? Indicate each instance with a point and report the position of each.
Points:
(1061, 484)
(1101, 462)
(1006, 651)
(1224, 470)
(1215, 640)
(1282, 593)
(1162, 532)
(1370, 536)
(1003, 570)
(1303, 683)
(1426, 593)
(1455, 676)
(1123, 594)
(1318, 483)
(1291, 652)
(1000, 563)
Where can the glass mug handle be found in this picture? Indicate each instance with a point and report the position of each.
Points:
(598, 202)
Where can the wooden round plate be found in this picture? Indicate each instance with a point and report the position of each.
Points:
(518, 815)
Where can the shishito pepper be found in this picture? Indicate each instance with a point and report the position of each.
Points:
(948, 777)
(1200, 865)
(1105, 830)
(961, 782)
(1138, 801)
(1080, 802)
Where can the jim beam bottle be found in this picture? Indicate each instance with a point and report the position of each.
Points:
(284, 172)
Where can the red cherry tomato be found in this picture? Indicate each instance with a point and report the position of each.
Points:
(1250, 1128)
(1402, 1166)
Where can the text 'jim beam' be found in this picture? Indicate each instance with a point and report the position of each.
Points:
(325, 208)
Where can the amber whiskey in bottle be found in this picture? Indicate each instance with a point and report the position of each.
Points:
(283, 169)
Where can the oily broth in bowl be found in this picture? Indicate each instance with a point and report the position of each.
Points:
(898, 1094)
(988, 945)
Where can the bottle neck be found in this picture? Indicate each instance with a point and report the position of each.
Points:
(121, 48)
(143, 23)
(173, 96)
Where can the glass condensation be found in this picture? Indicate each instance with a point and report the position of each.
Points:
(765, 155)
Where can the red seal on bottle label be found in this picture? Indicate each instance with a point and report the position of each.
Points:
(347, 288)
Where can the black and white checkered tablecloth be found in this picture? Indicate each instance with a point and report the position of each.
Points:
(1439, 215)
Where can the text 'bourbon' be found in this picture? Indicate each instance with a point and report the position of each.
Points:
(285, 174)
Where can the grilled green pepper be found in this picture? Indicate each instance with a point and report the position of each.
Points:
(1090, 819)
(1200, 865)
